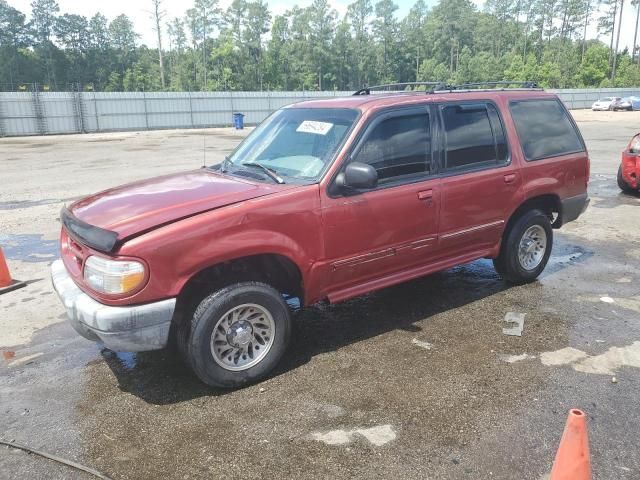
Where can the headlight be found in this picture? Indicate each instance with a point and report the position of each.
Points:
(113, 276)
(634, 144)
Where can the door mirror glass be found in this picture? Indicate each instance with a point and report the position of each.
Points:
(358, 175)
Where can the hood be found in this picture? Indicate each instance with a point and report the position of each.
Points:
(141, 206)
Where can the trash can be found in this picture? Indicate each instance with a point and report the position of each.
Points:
(238, 121)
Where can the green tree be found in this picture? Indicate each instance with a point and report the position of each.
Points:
(123, 40)
(385, 29)
(43, 19)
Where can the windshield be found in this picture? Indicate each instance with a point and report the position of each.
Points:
(293, 143)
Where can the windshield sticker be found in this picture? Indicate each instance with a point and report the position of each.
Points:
(311, 126)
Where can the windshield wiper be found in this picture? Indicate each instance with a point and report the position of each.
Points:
(269, 171)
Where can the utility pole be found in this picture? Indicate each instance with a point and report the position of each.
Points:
(615, 53)
(158, 14)
(635, 32)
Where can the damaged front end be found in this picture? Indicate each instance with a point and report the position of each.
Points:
(630, 166)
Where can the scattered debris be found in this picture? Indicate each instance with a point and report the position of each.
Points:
(377, 436)
(607, 299)
(8, 354)
(56, 458)
(514, 358)
(422, 344)
(566, 258)
(515, 324)
(614, 380)
(261, 390)
(22, 360)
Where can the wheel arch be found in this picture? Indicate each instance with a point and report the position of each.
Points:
(548, 203)
(274, 269)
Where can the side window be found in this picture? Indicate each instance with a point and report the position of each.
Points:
(398, 146)
(544, 128)
(474, 136)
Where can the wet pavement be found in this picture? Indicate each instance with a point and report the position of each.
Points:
(415, 381)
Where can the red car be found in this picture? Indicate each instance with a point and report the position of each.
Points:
(324, 201)
(629, 169)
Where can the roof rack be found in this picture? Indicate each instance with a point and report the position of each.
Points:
(503, 83)
(393, 87)
(441, 86)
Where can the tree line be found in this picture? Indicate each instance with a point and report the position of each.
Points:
(245, 47)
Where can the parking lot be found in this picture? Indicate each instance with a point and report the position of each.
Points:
(414, 381)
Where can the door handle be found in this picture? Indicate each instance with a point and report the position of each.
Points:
(509, 178)
(425, 195)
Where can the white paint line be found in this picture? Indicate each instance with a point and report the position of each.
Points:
(611, 360)
(422, 344)
(21, 360)
(377, 436)
(604, 364)
(607, 299)
(514, 358)
(334, 437)
(563, 356)
(515, 322)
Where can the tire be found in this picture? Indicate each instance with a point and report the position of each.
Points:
(242, 310)
(624, 186)
(536, 226)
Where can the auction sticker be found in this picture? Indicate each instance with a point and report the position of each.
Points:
(311, 126)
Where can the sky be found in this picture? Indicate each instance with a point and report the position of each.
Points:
(139, 12)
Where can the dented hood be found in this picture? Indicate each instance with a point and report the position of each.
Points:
(142, 206)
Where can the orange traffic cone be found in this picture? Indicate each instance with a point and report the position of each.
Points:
(572, 460)
(6, 282)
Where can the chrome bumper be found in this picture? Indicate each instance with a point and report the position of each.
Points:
(126, 329)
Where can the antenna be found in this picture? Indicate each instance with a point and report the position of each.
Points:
(204, 150)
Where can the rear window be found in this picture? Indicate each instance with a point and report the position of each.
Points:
(545, 129)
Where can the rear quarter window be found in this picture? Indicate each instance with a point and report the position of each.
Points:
(545, 129)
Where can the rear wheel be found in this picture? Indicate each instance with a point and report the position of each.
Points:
(238, 334)
(526, 248)
(624, 186)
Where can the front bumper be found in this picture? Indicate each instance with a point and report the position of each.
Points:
(127, 329)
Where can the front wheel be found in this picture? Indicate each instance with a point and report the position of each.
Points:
(526, 248)
(238, 334)
(624, 186)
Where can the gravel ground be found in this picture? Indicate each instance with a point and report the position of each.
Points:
(414, 381)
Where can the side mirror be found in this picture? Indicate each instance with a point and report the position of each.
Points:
(358, 175)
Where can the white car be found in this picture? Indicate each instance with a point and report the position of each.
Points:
(607, 103)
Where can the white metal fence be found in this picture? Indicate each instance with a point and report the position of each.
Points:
(43, 113)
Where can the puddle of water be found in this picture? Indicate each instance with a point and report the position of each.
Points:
(29, 248)
(126, 360)
(293, 302)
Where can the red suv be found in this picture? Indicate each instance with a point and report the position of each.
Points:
(324, 201)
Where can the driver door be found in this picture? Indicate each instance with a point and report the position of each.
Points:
(373, 233)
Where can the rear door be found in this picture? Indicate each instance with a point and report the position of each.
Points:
(480, 183)
(369, 234)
